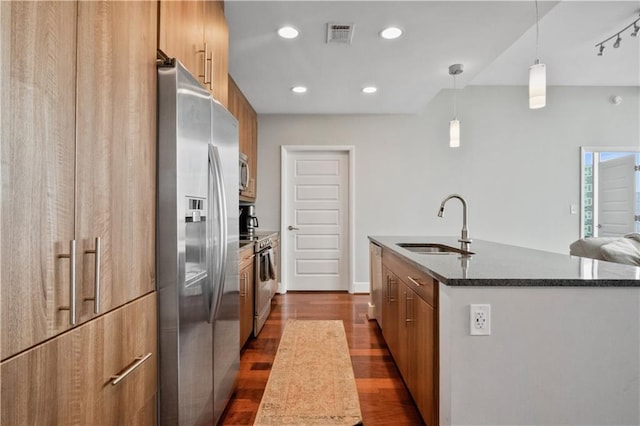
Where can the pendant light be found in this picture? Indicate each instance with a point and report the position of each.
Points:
(537, 77)
(454, 125)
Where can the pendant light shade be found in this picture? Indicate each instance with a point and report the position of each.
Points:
(454, 133)
(454, 125)
(537, 76)
(537, 85)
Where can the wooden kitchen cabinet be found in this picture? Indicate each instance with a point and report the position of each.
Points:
(390, 310)
(410, 330)
(116, 150)
(240, 107)
(68, 380)
(216, 35)
(423, 372)
(195, 32)
(276, 263)
(247, 258)
(78, 162)
(38, 93)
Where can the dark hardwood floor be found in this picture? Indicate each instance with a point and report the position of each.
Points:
(384, 399)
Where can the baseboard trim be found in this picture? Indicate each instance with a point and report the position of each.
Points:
(359, 288)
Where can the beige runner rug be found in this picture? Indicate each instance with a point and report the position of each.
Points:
(311, 381)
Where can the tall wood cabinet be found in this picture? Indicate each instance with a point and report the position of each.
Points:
(38, 93)
(78, 93)
(116, 150)
(240, 107)
(195, 32)
(78, 163)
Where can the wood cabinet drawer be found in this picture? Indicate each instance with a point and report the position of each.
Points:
(246, 256)
(420, 282)
(68, 380)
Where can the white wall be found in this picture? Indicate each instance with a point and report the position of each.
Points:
(517, 168)
(556, 355)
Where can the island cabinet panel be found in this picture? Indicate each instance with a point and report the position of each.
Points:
(419, 337)
(246, 268)
(69, 380)
(78, 163)
(410, 329)
(195, 32)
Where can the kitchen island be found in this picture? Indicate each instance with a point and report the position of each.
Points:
(564, 346)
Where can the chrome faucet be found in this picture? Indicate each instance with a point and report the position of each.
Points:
(464, 239)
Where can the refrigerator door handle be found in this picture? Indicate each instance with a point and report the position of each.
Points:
(215, 168)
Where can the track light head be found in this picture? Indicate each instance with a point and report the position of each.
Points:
(601, 51)
(617, 43)
(636, 28)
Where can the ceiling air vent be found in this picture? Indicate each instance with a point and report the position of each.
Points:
(339, 33)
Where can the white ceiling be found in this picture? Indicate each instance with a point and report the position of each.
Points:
(495, 40)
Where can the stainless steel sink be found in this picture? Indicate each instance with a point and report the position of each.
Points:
(432, 248)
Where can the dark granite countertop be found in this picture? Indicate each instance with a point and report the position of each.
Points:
(494, 264)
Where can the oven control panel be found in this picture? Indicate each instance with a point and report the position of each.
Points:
(264, 244)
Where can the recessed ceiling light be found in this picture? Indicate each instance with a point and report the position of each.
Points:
(390, 33)
(288, 32)
(299, 89)
(369, 89)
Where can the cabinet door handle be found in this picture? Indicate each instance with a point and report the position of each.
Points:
(210, 60)
(139, 360)
(72, 282)
(419, 284)
(406, 308)
(205, 59)
(244, 279)
(96, 284)
(388, 291)
(391, 281)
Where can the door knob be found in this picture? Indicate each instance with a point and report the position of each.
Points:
(293, 228)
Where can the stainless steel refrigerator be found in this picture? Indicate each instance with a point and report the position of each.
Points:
(197, 250)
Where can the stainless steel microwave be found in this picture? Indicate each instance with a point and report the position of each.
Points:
(244, 172)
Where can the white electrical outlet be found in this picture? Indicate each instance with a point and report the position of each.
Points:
(480, 319)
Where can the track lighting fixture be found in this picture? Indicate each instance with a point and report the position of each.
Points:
(616, 44)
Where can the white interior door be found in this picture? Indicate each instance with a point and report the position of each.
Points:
(315, 215)
(616, 197)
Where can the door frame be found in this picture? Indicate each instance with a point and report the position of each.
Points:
(595, 150)
(285, 256)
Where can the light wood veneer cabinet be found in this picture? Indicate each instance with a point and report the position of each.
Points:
(240, 107)
(410, 330)
(78, 163)
(196, 33)
(70, 380)
(247, 258)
